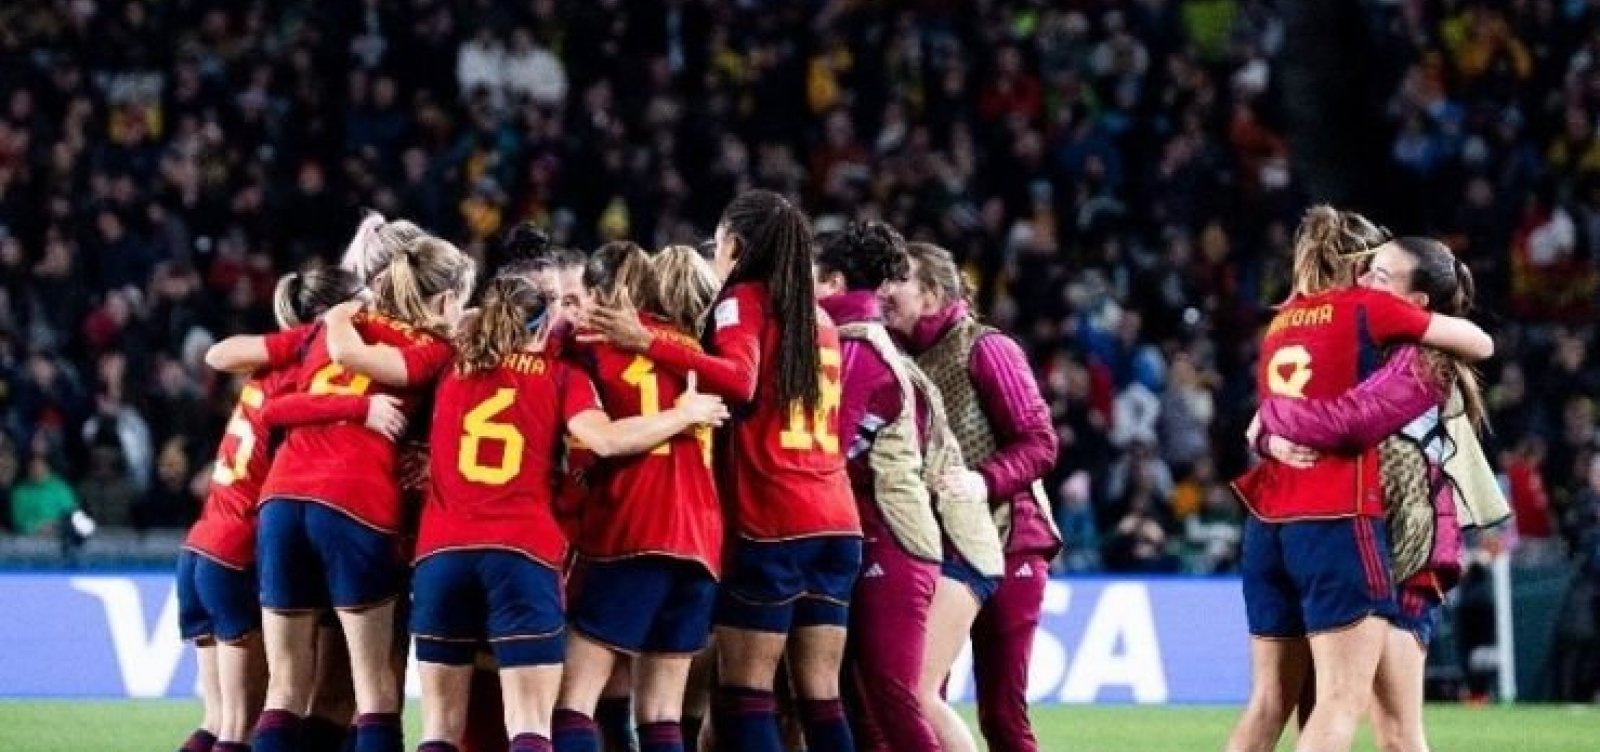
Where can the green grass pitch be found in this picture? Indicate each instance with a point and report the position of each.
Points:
(137, 726)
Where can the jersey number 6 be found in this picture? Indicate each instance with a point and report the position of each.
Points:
(478, 427)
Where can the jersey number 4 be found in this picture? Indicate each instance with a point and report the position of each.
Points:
(478, 427)
(818, 435)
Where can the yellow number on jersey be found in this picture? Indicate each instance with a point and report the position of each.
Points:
(1289, 371)
(227, 471)
(641, 373)
(334, 379)
(798, 436)
(478, 427)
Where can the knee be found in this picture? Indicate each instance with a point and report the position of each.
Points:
(816, 685)
(1394, 734)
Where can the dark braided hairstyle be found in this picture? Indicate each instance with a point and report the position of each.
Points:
(774, 241)
(867, 254)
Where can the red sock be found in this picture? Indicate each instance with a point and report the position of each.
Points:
(530, 743)
(199, 741)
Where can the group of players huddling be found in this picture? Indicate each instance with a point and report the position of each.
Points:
(737, 488)
(625, 491)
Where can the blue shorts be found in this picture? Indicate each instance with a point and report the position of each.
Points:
(215, 601)
(462, 598)
(646, 604)
(312, 556)
(781, 585)
(1418, 613)
(955, 567)
(1302, 578)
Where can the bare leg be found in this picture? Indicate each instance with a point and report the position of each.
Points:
(1397, 694)
(445, 692)
(1347, 663)
(1278, 670)
(949, 620)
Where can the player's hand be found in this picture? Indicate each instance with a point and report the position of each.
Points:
(964, 484)
(384, 416)
(620, 326)
(344, 311)
(413, 467)
(702, 409)
(1290, 453)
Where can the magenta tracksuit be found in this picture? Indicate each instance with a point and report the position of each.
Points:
(1397, 397)
(889, 614)
(1002, 636)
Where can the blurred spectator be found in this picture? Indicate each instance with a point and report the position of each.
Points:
(1185, 414)
(107, 490)
(170, 502)
(115, 420)
(1138, 543)
(1530, 501)
(41, 500)
(1079, 531)
(10, 475)
(1215, 532)
(1115, 178)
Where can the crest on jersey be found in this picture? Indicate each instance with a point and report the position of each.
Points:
(727, 313)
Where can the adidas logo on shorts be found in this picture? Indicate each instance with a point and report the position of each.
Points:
(876, 570)
(1026, 570)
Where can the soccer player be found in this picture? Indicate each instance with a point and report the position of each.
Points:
(489, 551)
(797, 548)
(330, 518)
(1315, 558)
(1008, 443)
(1407, 403)
(218, 605)
(650, 542)
(879, 420)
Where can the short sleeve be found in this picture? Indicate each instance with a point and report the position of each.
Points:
(288, 346)
(578, 394)
(1392, 319)
(424, 361)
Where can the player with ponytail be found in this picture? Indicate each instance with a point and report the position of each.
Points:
(217, 591)
(650, 541)
(489, 551)
(1315, 558)
(1424, 408)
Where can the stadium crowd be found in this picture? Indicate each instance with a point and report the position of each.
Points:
(1114, 174)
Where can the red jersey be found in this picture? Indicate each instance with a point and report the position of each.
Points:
(226, 530)
(663, 502)
(574, 486)
(1320, 346)
(345, 465)
(781, 469)
(495, 438)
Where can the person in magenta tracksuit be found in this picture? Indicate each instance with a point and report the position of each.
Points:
(1007, 439)
(879, 424)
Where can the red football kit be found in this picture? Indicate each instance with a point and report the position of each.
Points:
(782, 469)
(1320, 346)
(495, 438)
(663, 502)
(226, 530)
(345, 465)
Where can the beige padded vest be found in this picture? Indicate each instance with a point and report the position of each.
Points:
(1479, 500)
(967, 523)
(947, 363)
(896, 458)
